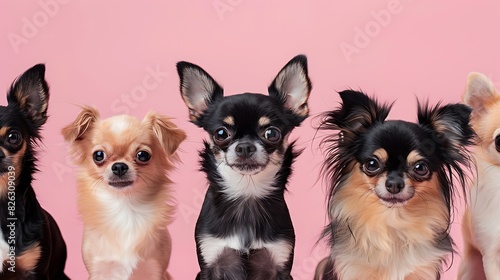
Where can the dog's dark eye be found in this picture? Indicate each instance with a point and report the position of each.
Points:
(222, 136)
(421, 169)
(143, 156)
(14, 138)
(497, 143)
(99, 157)
(272, 134)
(372, 166)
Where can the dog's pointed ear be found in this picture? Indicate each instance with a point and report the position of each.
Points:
(169, 135)
(479, 92)
(30, 93)
(452, 126)
(357, 113)
(83, 123)
(198, 89)
(292, 86)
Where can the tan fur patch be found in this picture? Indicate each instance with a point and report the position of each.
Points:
(4, 185)
(29, 259)
(413, 157)
(17, 164)
(264, 121)
(21, 97)
(381, 154)
(229, 120)
(4, 130)
(489, 123)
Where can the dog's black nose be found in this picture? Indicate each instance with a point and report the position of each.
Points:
(245, 149)
(119, 168)
(394, 185)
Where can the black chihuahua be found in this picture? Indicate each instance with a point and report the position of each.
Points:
(244, 230)
(31, 244)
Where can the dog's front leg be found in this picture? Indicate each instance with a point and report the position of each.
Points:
(104, 261)
(471, 267)
(491, 262)
(112, 270)
(262, 265)
(274, 261)
(228, 265)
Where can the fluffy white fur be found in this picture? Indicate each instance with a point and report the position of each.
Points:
(213, 246)
(254, 184)
(4, 250)
(129, 223)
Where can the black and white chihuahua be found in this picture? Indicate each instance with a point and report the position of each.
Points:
(31, 244)
(244, 230)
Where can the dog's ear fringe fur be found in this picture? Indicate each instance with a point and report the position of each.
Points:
(169, 135)
(453, 133)
(75, 131)
(357, 113)
(82, 123)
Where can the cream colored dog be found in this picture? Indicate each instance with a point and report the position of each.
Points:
(123, 190)
(481, 225)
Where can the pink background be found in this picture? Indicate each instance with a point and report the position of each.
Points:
(99, 52)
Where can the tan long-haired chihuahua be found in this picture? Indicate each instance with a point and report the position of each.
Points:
(392, 186)
(123, 192)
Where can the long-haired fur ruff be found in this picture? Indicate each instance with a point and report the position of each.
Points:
(31, 244)
(391, 186)
(124, 194)
(244, 230)
(480, 225)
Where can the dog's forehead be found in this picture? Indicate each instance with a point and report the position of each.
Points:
(9, 117)
(248, 109)
(122, 129)
(121, 124)
(397, 140)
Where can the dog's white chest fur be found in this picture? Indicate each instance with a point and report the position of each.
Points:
(484, 206)
(4, 249)
(128, 224)
(128, 219)
(211, 247)
(237, 185)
